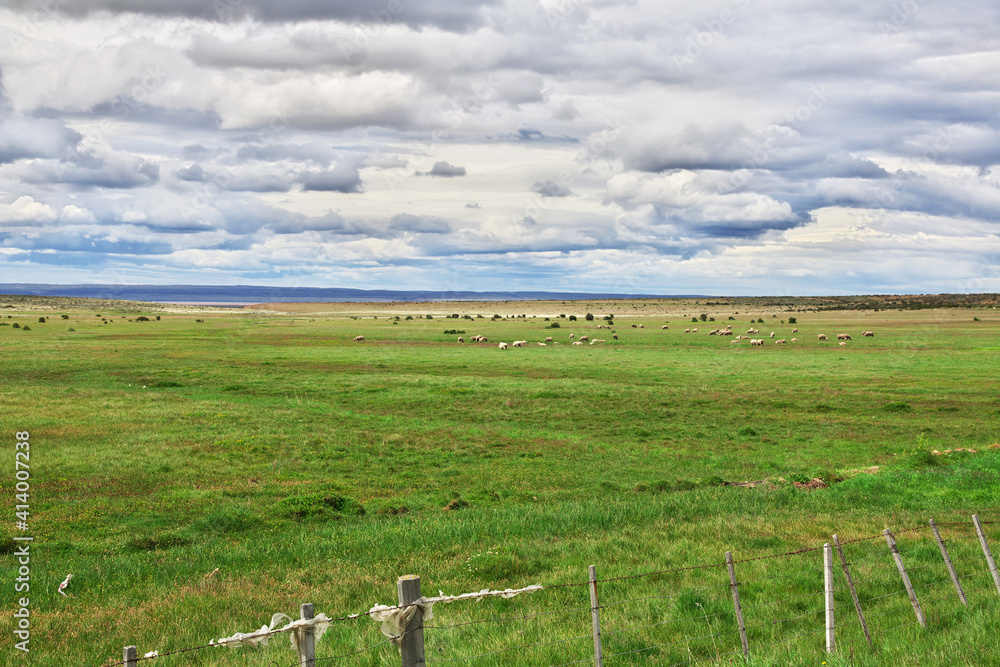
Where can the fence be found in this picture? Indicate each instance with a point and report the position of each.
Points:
(694, 614)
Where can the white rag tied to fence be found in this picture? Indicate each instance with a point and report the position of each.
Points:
(260, 637)
(395, 619)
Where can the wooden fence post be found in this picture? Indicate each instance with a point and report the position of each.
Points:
(736, 603)
(947, 561)
(906, 579)
(986, 551)
(595, 611)
(411, 647)
(854, 592)
(831, 642)
(130, 657)
(307, 640)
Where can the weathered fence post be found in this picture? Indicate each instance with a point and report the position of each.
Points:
(412, 645)
(854, 592)
(986, 551)
(736, 603)
(947, 561)
(831, 641)
(595, 611)
(906, 579)
(307, 640)
(130, 657)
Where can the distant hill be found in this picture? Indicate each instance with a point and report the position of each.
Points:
(248, 294)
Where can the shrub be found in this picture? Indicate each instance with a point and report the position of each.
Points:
(142, 318)
(694, 319)
(42, 320)
(409, 317)
(760, 320)
(65, 317)
(589, 317)
(572, 318)
(704, 317)
(323, 505)
(25, 328)
(429, 317)
(157, 318)
(791, 320)
(554, 325)
(16, 325)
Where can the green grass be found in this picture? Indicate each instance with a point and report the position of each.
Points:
(306, 467)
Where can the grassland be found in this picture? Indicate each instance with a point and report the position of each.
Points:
(264, 443)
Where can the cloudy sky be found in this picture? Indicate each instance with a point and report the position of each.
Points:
(717, 147)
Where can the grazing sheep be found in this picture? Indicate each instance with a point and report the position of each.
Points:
(572, 336)
(687, 331)
(664, 327)
(461, 340)
(779, 341)
(772, 334)
(795, 340)
(576, 342)
(868, 334)
(694, 331)
(542, 344)
(642, 326)
(634, 327)
(726, 332)
(843, 337)
(615, 336)
(359, 339)
(821, 337)
(584, 337)
(795, 330)
(518, 343)
(549, 339)
(842, 344)
(503, 346)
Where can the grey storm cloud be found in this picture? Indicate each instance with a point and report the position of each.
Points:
(25, 137)
(446, 170)
(449, 14)
(551, 189)
(341, 178)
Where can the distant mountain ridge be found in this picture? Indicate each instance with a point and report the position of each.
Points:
(249, 294)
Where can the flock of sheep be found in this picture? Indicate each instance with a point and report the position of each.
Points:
(728, 331)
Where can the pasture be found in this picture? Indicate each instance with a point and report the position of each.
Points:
(305, 467)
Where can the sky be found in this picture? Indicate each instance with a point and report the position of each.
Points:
(730, 147)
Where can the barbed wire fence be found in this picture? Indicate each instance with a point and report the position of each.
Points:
(834, 598)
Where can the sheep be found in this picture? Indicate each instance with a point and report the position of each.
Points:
(664, 327)
(726, 332)
(519, 343)
(842, 344)
(843, 336)
(821, 337)
(576, 342)
(615, 336)
(572, 336)
(359, 339)
(772, 334)
(584, 337)
(694, 330)
(795, 330)
(642, 326)
(548, 339)
(779, 341)
(634, 326)
(503, 346)
(542, 344)
(461, 340)
(868, 334)
(795, 340)
(687, 331)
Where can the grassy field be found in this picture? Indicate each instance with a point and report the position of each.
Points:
(305, 467)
